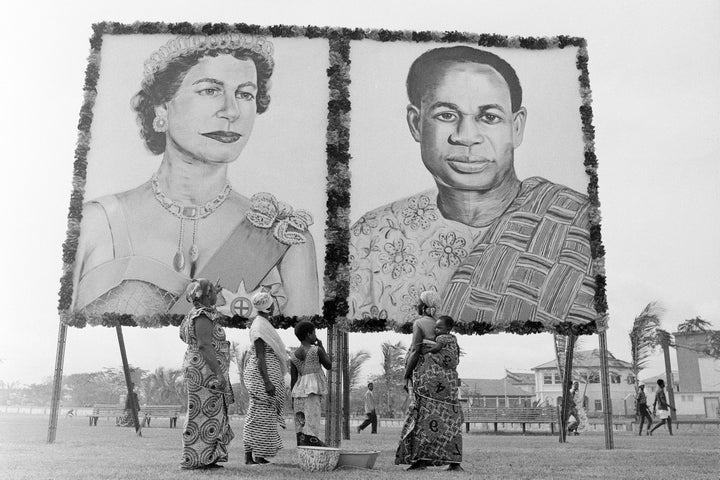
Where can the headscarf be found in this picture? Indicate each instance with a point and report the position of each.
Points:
(430, 299)
(198, 292)
(262, 329)
(262, 301)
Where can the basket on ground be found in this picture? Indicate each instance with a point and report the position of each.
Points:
(318, 459)
(358, 459)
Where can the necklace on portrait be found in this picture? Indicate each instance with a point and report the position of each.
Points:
(193, 213)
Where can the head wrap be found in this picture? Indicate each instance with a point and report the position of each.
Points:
(198, 291)
(430, 299)
(262, 301)
(262, 329)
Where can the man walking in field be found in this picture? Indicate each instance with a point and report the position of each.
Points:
(369, 410)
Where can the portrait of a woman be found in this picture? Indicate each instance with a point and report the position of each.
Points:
(138, 249)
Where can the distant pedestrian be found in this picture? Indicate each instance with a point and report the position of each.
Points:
(369, 410)
(577, 411)
(662, 408)
(572, 410)
(641, 407)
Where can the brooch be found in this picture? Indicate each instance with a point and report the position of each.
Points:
(267, 212)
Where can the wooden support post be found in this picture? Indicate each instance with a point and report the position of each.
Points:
(57, 382)
(566, 384)
(665, 343)
(606, 400)
(128, 382)
(346, 386)
(334, 399)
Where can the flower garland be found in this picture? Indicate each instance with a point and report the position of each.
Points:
(337, 233)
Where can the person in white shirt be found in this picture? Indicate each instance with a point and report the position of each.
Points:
(369, 410)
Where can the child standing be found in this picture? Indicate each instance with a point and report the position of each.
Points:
(308, 383)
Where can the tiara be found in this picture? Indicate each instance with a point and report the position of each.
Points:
(191, 44)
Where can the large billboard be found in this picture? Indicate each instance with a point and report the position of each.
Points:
(344, 170)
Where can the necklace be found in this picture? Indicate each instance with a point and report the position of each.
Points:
(194, 213)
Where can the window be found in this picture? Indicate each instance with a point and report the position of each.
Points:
(598, 405)
(593, 377)
(630, 379)
(615, 378)
(556, 376)
(547, 378)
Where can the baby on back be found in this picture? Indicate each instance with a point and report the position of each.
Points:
(444, 343)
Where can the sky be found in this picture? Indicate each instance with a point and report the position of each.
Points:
(653, 69)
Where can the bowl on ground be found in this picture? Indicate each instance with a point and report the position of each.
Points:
(357, 459)
(318, 459)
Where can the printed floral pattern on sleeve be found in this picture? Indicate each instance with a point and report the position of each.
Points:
(400, 250)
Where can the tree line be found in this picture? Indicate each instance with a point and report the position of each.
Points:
(165, 386)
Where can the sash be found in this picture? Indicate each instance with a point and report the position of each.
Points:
(247, 256)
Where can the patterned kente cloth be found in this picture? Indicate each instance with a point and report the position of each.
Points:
(264, 413)
(532, 263)
(206, 432)
(433, 428)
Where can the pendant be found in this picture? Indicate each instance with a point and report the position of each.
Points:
(179, 261)
(194, 253)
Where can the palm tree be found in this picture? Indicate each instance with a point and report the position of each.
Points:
(393, 364)
(162, 385)
(696, 324)
(644, 337)
(357, 359)
(711, 345)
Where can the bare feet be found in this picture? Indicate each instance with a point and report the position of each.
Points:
(419, 465)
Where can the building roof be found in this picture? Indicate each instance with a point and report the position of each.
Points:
(493, 387)
(653, 380)
(520, 378)
(588, 358)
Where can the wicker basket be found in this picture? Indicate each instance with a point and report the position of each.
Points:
(318, 459)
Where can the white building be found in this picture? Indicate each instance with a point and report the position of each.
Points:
(586, 370)
(699, 393)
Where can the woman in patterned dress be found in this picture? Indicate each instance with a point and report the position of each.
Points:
(308, 384)
(432, 434)
(206, 432)
(264, 375)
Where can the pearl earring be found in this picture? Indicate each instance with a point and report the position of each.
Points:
(159, 124)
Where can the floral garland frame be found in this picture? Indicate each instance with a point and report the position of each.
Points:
(337, 231)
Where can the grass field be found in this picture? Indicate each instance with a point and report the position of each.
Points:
(109, 452)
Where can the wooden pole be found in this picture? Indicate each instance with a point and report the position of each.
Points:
(128, 382)
(57, 382)
(566, 383)
(334, 399)
(665, 343)
(346, 386)
(606, 400)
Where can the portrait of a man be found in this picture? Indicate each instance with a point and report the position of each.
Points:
(496, 247)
